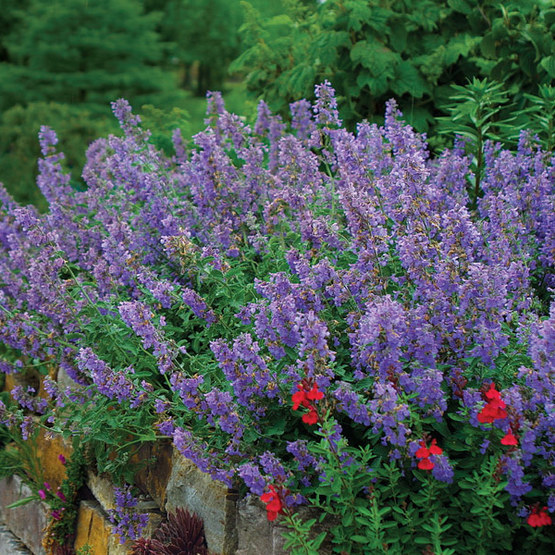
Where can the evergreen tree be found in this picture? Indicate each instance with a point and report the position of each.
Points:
(86, 52)
(206, 34)
(11, 14)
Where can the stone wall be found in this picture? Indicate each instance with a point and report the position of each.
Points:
(233, 526)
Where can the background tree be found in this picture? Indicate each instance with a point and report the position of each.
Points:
(413, 50)
(86, 52)
(10, 15)
(205, 37)
(61, 63)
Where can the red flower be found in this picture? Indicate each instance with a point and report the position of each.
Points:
(310, 417)
(425, 464)
(315, 394)
(495, 407)
(303, 398)
(424, 452)
(299, 398)
(274, 505)
(435, 449)
(492, 393)
(538, 517)
(509, 439)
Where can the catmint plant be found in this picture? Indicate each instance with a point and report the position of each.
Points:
(330, 321)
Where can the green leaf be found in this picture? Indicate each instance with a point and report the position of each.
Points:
(377, 86)
(398, 37)
(548, 64)
(376, 57)
(487, 46)
(21, 502)
(347, 519)
(408, 80)
(359, 13)
(460, 45)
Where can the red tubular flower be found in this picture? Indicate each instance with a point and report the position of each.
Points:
(303, 398)
(435, 449)
(425, 464)
(274, 505)
(310, 417)
(495, 407)
(299, 399)
(492, 393)
(509, 439)
(315, 394)
(423, 452)
(538, 517)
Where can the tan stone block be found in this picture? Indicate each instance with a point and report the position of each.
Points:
(64, 381)
(255, 533)
(53, 375)
(91, 529)
(103, 490)
(94, 530)
(10, 544)
(211, 500)
(49, 448)
(28, 378)
(10, 382)
(155, 460)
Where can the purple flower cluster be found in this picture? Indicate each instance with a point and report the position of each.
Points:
(127, 523)
(114, 385)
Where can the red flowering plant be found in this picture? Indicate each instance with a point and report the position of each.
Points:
(273, 500)
(538, 517)
(306, 395)
(495, 408)
(424, 453)
(497, 411)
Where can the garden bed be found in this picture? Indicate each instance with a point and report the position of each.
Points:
(303, 324)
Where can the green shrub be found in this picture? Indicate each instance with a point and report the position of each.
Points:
(413, 50)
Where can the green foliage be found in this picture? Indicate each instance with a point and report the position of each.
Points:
(205, 32)
(476, 113)
(10, 16)
(162, 123)
(371, 504)
(19, 456)
(84, 52)
(472, 111)
(412, 50)
(541, 115)
(201, 38)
